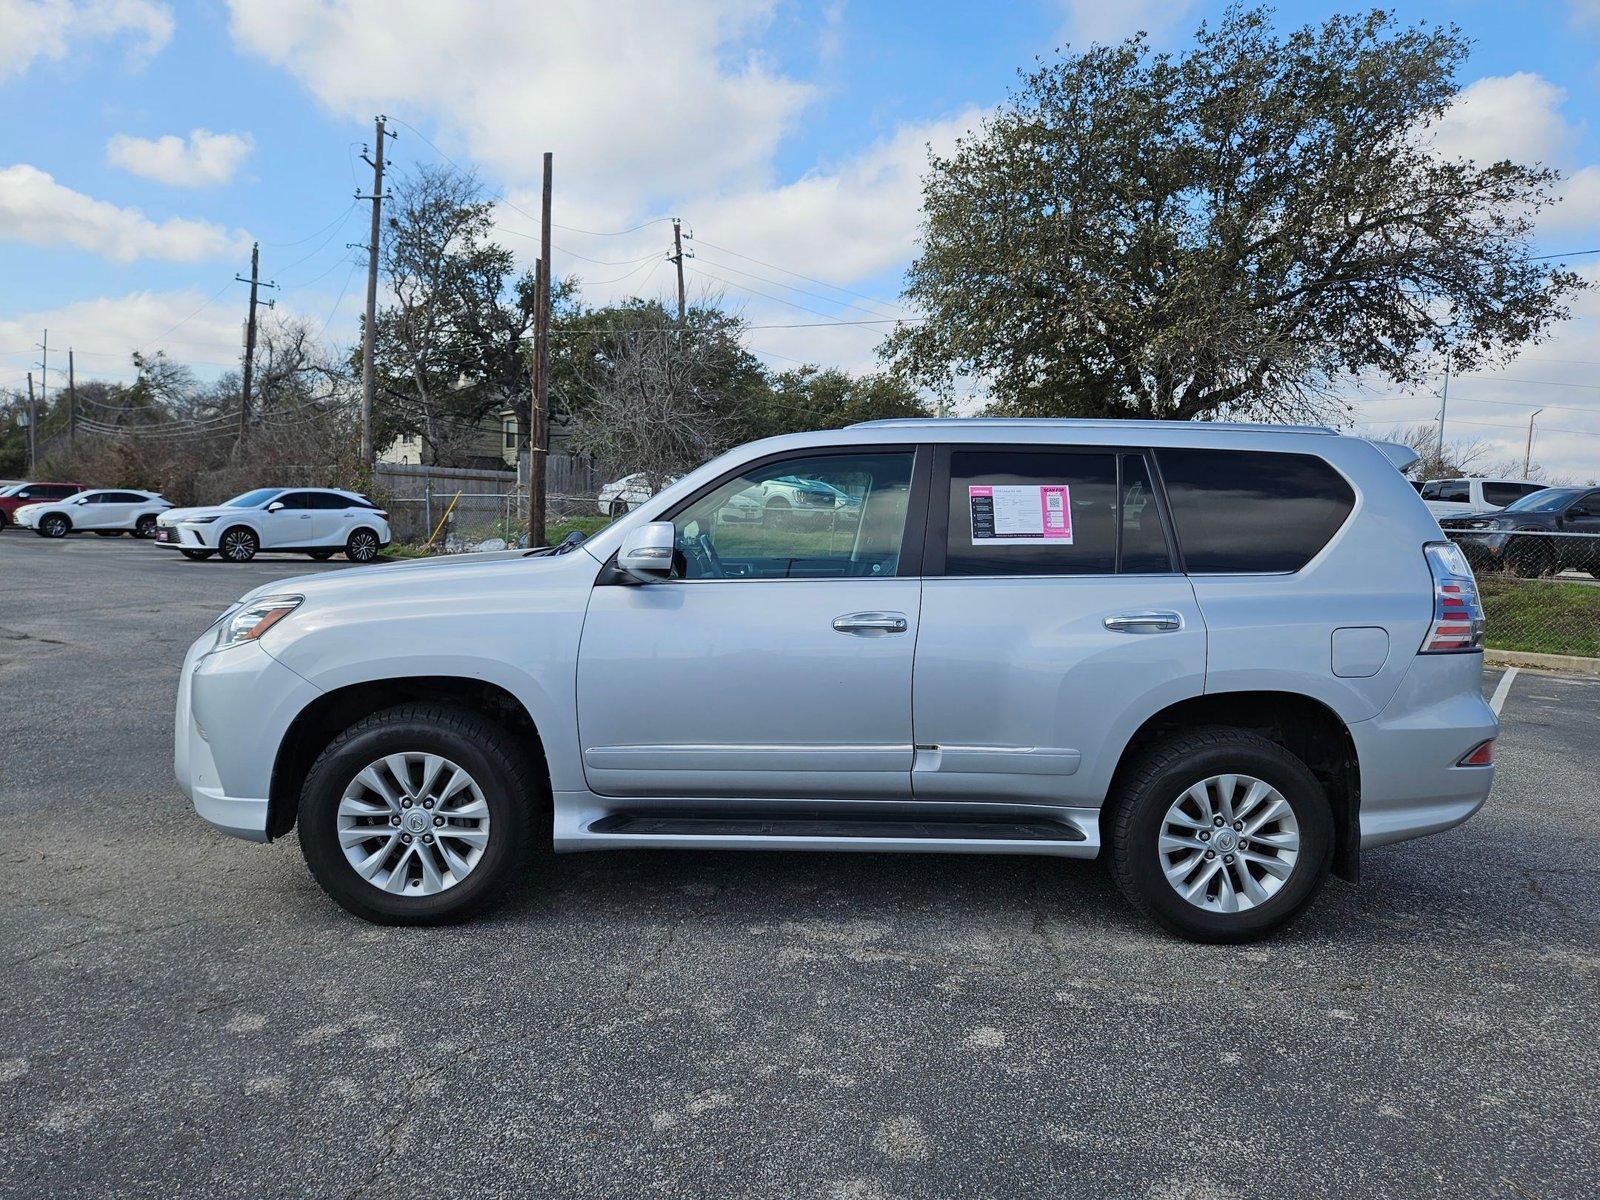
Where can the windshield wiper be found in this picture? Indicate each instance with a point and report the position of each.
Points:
(565, 546)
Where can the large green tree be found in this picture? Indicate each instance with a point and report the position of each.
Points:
(811, 397)
(1235, 230)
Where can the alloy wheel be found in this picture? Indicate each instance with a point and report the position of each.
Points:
(363, 546)
(238, 545)
(413, 824)
(1229, 843)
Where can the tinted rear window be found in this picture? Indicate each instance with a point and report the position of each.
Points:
(1248, 511)
(1502, 494)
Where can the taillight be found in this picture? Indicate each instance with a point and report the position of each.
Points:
(1457, 611)
(379, 512)
(1481, 755)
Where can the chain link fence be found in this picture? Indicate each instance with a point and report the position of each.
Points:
(452, 521)
(1540, 588)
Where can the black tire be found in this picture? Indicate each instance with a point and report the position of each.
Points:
(238, 544)
(362, 546)
(55, 525)
(1160, 776)
(5, 520)
(320, 555)
(108, 533)
(145, 526)
(197, 555)
(1534, 559)
(503, 770)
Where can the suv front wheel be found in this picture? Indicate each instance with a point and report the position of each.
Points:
(1220, 835)
(419, 814)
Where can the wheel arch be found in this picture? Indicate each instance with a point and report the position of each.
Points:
(328, 715)
(1302, 725)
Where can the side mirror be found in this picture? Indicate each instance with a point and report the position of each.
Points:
(646, 552)
(275, 506)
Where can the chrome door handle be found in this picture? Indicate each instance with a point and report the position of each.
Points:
(871, 623)
(1144, 622)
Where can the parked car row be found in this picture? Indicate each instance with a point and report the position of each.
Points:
(319, 522)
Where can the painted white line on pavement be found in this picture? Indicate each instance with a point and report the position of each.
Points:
(1502, 690)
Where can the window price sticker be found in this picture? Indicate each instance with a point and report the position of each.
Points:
(1007, 515)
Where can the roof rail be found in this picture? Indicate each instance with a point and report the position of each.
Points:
(1085, 423)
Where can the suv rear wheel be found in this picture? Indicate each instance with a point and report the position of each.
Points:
(362, 546)
(1220, 835)
(419, 814)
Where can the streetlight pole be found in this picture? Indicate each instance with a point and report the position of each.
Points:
(1527, 451)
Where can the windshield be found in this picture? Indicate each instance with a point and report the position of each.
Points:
(1548, 500)
(253, 499)
(12, 489)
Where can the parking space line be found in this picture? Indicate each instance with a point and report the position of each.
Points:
(1502, 690)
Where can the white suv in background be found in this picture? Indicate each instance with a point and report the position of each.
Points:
(1229, 658)
(106, 511)
(1458, 497)
(320, 522)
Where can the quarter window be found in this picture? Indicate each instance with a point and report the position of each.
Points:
(826, 517)
(1245, 511)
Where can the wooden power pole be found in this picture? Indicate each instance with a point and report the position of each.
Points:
(677, 257)
(33, 425)
(369, 379)
(72, 404)
(539, 409)
(250, 339)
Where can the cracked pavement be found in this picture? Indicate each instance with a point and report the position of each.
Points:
(185, 1014)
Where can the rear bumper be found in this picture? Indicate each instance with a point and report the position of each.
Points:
(1410, 784)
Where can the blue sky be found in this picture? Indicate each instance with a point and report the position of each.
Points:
(790, 134)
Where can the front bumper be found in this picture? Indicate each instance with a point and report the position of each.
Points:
(233, 710)
(183, 537)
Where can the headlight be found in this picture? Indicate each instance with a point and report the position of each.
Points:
(199, 520)
(247, 622)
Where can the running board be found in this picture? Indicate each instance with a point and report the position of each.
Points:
(842, 827)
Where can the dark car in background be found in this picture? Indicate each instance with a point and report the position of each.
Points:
(1553, 530)
(18, 494)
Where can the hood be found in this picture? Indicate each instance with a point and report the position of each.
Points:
(204, 510)
(445, 572)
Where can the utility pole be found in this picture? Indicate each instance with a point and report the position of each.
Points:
(44, 371)
(33, 424)
(1444, 402)
(677, 257)
(72, 404)
(1527, 450)
(250, 338)
(369, 381)
(539, 409)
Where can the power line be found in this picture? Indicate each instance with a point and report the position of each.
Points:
(797, 274)
(791, 287)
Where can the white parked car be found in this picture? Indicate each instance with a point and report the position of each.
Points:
(1229, 658)
(622, 496)
(1457, 497)
(106, 511)
(320, 522)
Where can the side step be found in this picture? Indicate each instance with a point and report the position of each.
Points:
(940, 828)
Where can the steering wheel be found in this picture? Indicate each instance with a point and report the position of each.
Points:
(713, 560)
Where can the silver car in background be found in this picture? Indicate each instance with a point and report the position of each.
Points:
(1230, 658)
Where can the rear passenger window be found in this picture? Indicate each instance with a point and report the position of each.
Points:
(1502, 494)
(1249, 511)
(1032, 512)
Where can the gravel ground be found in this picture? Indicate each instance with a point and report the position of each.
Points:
(185, 1014)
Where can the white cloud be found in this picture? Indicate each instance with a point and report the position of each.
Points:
(1505, 116)
(1113, 20)
(625, 94)
(104, 331)
(34, 208)
(203, 159)
(51, 29)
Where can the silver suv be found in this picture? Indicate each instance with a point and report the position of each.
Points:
(1230, 657)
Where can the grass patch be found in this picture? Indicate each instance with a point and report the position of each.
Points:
(1541, 616)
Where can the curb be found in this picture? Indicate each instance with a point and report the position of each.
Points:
(1572, 664)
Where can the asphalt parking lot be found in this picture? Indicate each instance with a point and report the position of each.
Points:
(185, 1014)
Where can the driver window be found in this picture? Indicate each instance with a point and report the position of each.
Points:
(836, 516)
